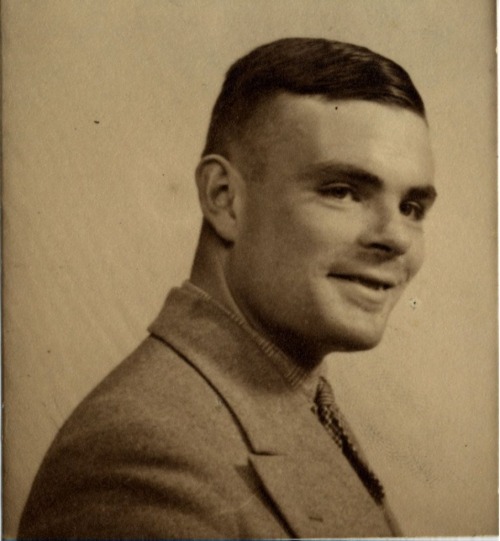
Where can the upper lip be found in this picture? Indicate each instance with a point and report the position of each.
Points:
(368, 279)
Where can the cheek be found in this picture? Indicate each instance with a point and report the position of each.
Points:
(297, 238)
(298, 245)
(306, 225)
(277, 256)
(321, 235)
(415, 257)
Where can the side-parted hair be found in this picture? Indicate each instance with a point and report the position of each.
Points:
(305, 66)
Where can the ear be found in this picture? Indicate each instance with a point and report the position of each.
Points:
(219, 184)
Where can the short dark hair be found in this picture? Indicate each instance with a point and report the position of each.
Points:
(305, 66)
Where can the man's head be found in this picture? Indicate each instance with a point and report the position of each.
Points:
(314, 181)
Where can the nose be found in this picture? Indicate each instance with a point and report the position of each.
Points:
(387, 231)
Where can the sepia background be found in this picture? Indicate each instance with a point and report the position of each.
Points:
(106, 105)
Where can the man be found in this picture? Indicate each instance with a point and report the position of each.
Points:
(314, 184)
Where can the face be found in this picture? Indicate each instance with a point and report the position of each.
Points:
(331, 234)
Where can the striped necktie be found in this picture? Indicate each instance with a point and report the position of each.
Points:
(330, 417)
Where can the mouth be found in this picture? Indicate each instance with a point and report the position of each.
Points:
(371, 283)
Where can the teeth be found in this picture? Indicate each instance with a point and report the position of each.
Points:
(368, 283)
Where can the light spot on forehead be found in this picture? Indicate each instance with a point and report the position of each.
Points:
(290, 131)
(310, 128)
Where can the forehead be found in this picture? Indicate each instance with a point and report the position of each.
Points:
(300, 131)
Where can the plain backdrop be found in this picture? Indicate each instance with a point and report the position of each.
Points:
(106, 106)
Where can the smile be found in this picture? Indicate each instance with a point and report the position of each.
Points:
(371, 283)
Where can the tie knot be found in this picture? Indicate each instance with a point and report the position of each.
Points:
(324, 393)
(325, 407)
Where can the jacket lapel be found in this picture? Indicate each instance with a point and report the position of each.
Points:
(305, 474)
(315, 503)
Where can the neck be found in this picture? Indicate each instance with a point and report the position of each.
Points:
(208, 273)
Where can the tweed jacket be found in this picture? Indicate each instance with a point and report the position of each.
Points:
(197, 435)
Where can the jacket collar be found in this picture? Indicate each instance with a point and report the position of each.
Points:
(289, 449)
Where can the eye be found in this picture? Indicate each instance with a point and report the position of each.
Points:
(340, 191)
(413, 210)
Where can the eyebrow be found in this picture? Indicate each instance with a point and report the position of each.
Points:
(338, 169)
(423, 193)
(359, 175)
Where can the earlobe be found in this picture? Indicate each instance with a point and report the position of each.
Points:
(217, 192)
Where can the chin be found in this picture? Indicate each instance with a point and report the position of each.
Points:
(355, 341)
(359, 345)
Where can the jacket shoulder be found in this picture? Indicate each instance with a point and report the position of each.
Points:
(133, 458)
